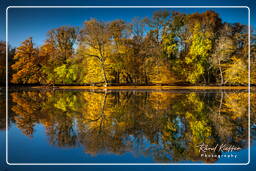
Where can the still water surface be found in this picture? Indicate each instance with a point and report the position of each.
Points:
(127, 126)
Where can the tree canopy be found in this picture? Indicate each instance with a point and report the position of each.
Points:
(168, 48)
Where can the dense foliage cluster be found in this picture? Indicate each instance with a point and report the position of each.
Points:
(169, 48)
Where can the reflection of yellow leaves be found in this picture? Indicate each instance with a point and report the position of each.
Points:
(161, 100)
(171, 126)
(96, 114)
(236, 104)
(188, 115)
(93, 103)
(65, 103)
(24, 107)
(25, 117)
(201, 131)
(60, 105)
(197, 103)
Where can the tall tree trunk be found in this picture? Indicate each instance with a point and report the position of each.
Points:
(204, 79)
(130, 78)
(208, 75)
(146, 78)
(221, 73)
(117, 77)
(104, 74)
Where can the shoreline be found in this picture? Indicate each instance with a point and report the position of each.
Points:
(143, 87)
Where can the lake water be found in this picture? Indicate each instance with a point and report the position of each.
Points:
(128, 126)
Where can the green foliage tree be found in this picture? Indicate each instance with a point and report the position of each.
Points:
(197, 54)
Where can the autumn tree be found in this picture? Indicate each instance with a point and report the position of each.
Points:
(224, 48)
(160, 44)
(95, 42)
(231, 54)
(2, 62)
(124, 53)
(128, 48)
(3, 57)
(63, 39)
(159, 24)
(58, 51)
(27, 67)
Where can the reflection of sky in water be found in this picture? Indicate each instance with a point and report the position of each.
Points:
(181, 127)
(37, 149)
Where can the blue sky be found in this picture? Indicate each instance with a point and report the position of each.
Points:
(35, 22)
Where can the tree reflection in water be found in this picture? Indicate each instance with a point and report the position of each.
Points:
(168, 126)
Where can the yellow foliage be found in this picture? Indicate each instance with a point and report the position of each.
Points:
(94, 71)
(236, 72)
(160, 72)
